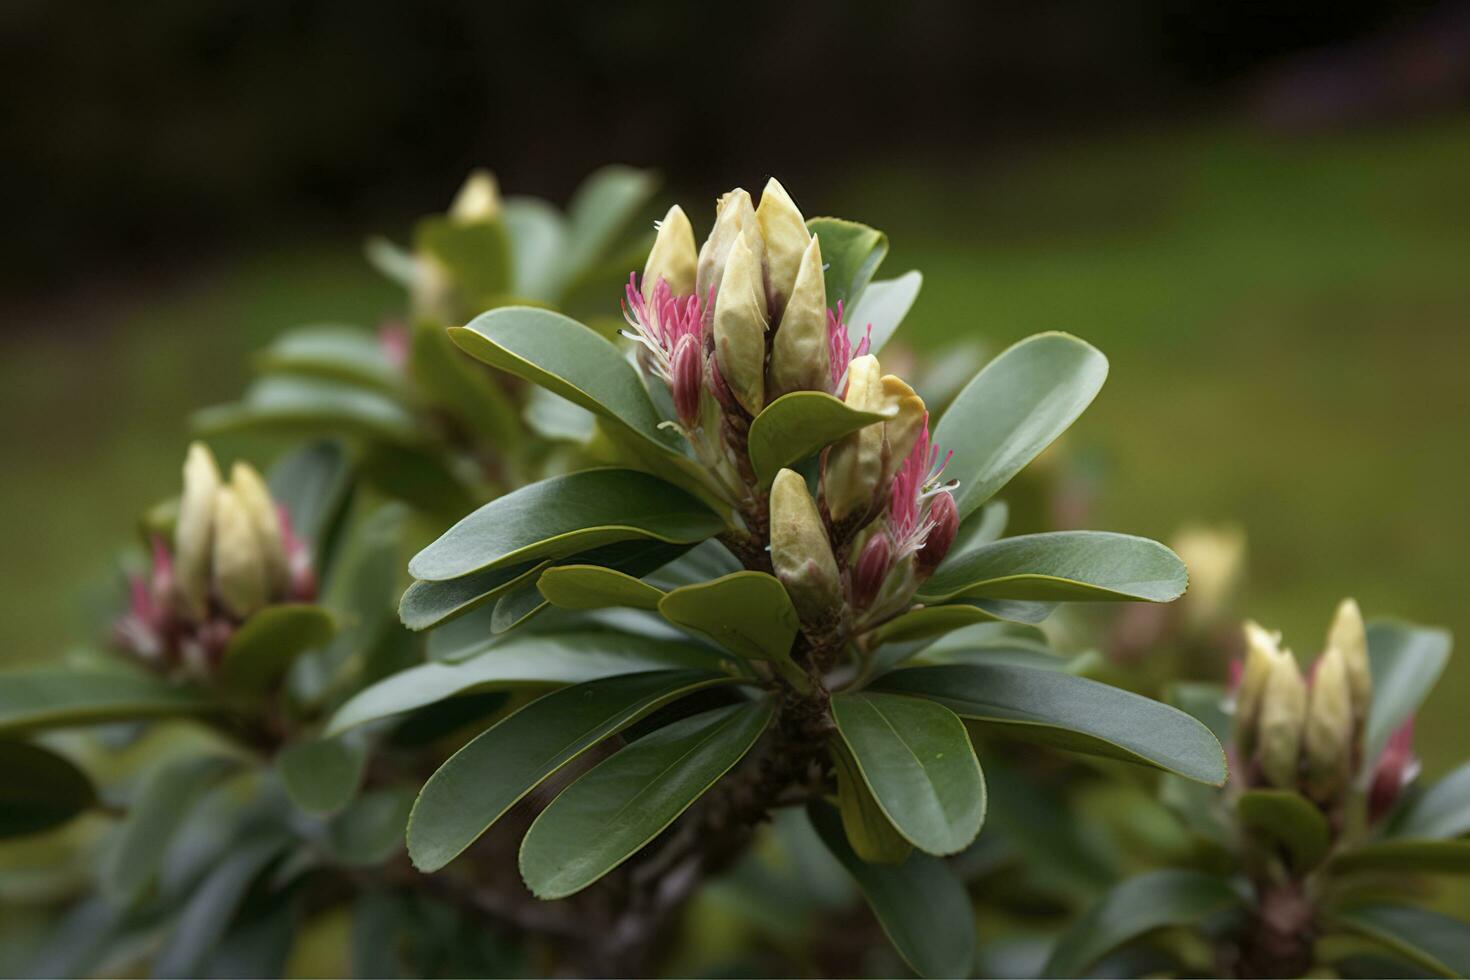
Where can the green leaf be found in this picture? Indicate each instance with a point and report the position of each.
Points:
(1014, 408)
(565, 515)
(553, 417)
(928, 621)
(39, 789)
(1451, 857)
(916, 758)
(333, 351)
(746, 612)
(322, 775)
(1406, 661)
(537, 239)
(284, 403)
(1062, 566)
(475, 253)
(883, 305)
(1134, 908)
(624, 802)
(1441, 812)
(872, 837)
(395, 262)
(921, 905)
(35, 699)
(600, 210)
(426, 604)
(1429, 939)
(799, 424)
(313, 482)
(981, 528)
(596, 587)
(1073, 713)
(526, 660)
(497, 769)
(370, 830)
(160, 808)
(852, 253)
(463, 389)
(1289, 822)
(213, 905)
(634, 558)
(270, 640)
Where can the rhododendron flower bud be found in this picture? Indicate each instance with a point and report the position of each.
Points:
(786, 239)
(1262, 650)
(1348, 634)
(686, 378)
(194, 529)
(1395, 769)
(800, 351)
(740, 324)
(734, 214)
(478, 199)
(1328, 736)
(239, 562)
(1283, 715)
(854, 470)
(256, 498)
(673, 258)
(1215, 557)
(944, 521)
(903, 429)
(871, 570)
(801, 553)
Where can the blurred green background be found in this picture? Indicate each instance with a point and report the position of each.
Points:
(1283, 293)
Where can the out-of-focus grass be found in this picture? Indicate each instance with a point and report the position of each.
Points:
(1286, 322)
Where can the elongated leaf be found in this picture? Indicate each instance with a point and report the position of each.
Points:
(370, 830)
(883, 305)
(921, 905)
(872, 837)
(31, 700)
(213, 906)
(322, 775)
(980, 529)
(1451, 857)
(1442, 812)
(283, 403)
(1431, 940)
(39, 789)
(1287, 821)
(163, 803)
(1406, 662)
(270, 640)
(475, 253)
(633, 558)
(562, 516)
(916, 758)
(537, 237)
(526, 660)
(465, 390)
(1061, 566)
(600, 209)
(1072, 713)
(1014, 408)
(1135, 908)
(852, 253)
(609, 814)
(553, 417)
(491, 774)
(799, 424)
(333, 351)
(747, 612)
(938, 620)
(313, 482)
(595, 587)
(426, 604)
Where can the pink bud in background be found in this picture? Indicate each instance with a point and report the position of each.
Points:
(686, 372)
(298, 559)
(944, 521)
(871, 570)
(1396, 768)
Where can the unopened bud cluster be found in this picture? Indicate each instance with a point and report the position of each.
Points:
(232, 554)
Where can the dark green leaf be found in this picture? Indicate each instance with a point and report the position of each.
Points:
(872, 836)
(370, 830)
(426, 604)
(453, 382)
(1072, 713)
(1406, 661)
(34, 699)
(600, 209)
(322, 775)
(1451, 857)
(883, 305)
(1429, 939)
(746, 612)
(799, 424)
(921, 905)
(333, 351)
(609, 814)
(488, 776)
(1014, 408)
(314, 483)
(930, 621)
(39, 789)
(852, 252)
(1441, 812)
(283, 403)
(1289, 822)
(270, 640)
(595, 587)
(553, 417)
(213, 905)
(1061, 566)
(916, 758)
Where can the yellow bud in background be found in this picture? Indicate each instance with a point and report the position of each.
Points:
(672, 258)
(194, 529)
(239, 562)
(256, 497)
(478, 199)
(1215, 557)
(1349, 635)
(1329, 730)
(732, 217)
(801, 553)
(854, 469)
(1282, 717)
(740, 325)
(1262, 648)
(902, 431)
(786, 238)
(799, 356)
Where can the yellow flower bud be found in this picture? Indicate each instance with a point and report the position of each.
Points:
(740, 325)
(673, 257)
(799, 355)
(801, 553)
(1283, 715)
(784, 231)
(478, 199)
(194, 529)
(256, 497)
(1215, 557)
(1348, 634)
(900, 432)
(239, 562)
(1262, 648)
(1329, 731)
(732, 217)
(854, 469)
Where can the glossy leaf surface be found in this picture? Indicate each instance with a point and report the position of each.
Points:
(798, 424)
(1062, 566)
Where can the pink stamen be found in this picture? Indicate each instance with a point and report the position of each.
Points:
(840, 350)
(662, 320)
(917, 479)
